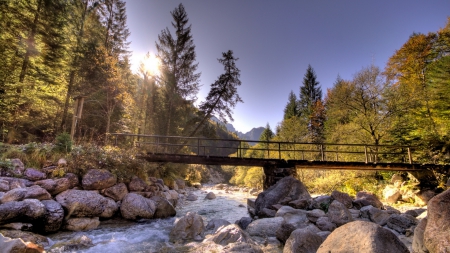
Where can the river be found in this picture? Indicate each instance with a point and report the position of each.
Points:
(118, 235)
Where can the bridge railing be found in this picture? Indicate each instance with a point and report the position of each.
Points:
(178, 145)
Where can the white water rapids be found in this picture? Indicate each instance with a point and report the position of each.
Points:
(151, 235)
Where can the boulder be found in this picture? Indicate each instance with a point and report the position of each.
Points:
(187, 228)
(338, 213)
(300, 203)
(16, 194)
(211, 247)
(367, 198)
(137, 185)
(164, 208)
(321, 202)
(284, 231)
(266, 227)
(37, 192)
(80, 203)
(244, 222)
(18, 167)
(116, 192)
(437, 231)
(77, 243)
(421, 198)
(302, 240)
(324, 224)
(315, 214)
(230, 234)
(18, 245)
(210, 195)
(284, 191)
(296, 217)
(26, 210)
(342, 197)
(98, 179)
(53, 217)
(4, 185)
(39, 240)
(135, 207)
(215, 224)
(110, 209)
(417, 243)
(18, 226)
(17, 182)
(401, 222)
(73, 180)
(376, 215)
(34, 175)
(54, 186)
(391, 194)
(362, 237)
(81, 224)
(191, 197)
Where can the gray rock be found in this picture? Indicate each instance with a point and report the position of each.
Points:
(365, 199)
(321, 202)
(376, 215)
(4, 185)
(210, 195)
(342, 197)
(302, 240)
(401, 222)
(81, 224)
(315, 214)
(338, 213)
(137, 185)
(98, 179)
(284, 191)
(230, 233)
(37, 192)
(191, 197)
(181, 184)
(73, 180)
(18, 167)
(111, 209)
(26, 210)
(116, 192)
(324, 224)
(215, 224)
(362, 237)
(284, 231)
(53, 217)
(244, 222)
(34, 175)
(266, 227)
(18, 226)
(77, 243)
(135, 207)
(16, 194)
(417, 243)
(164, 208)
(437, 231)
(187, 228)
(39, 240)
(296, 217)
(54, 186)
(80, 203)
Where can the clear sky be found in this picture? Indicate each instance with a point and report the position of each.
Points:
(276, 40)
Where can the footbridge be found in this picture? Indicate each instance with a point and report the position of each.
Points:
(279, 158)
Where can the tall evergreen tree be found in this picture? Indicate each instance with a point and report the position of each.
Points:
(291, 109)
(180, 80)
(310, 92)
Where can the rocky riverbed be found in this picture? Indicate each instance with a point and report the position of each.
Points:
(95, 213)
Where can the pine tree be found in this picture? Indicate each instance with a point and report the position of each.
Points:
(179, 78)
(310, 92)
(291, 109)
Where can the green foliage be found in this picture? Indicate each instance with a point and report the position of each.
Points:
(254, 177)
(63, 143)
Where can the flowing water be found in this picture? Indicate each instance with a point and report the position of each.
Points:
(151, 235)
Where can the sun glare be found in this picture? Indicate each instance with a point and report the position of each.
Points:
(151, 64)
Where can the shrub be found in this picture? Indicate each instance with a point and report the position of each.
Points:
(63, 143)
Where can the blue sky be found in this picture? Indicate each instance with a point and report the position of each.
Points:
(276, 40)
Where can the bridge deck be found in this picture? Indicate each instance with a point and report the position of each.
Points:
(237, 161)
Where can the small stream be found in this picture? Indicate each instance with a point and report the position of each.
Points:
(119, 235)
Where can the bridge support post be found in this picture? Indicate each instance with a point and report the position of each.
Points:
(273, 173)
